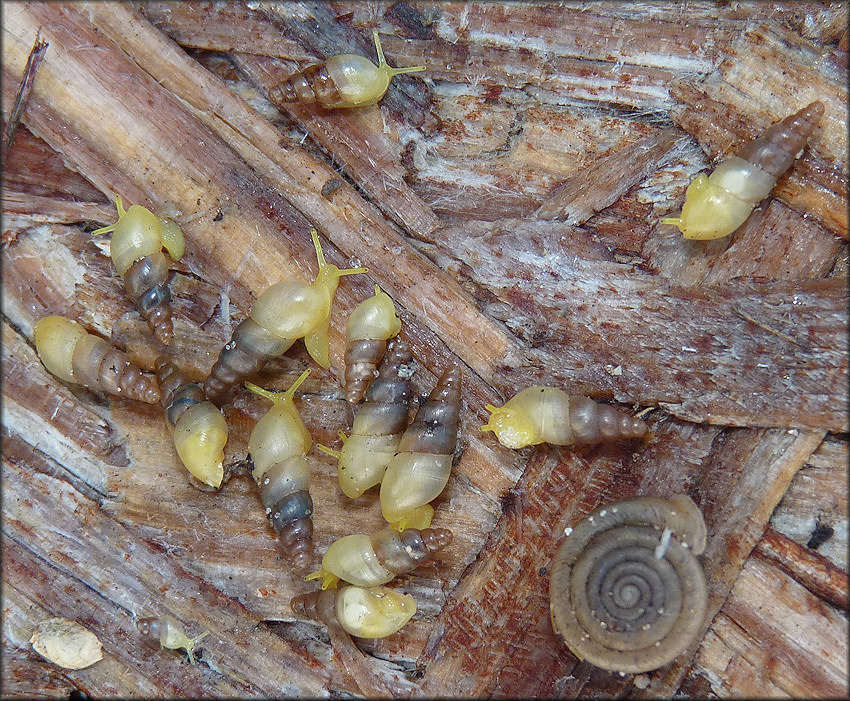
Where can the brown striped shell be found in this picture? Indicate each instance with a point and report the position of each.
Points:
(136, 249)
(370, 560)
(717, 205)
(282, 314)
(378, 425)
(550, 415)
(345, 80)
(278, 445)
(420, 470)
(627, 592)
(371, 324)
(364, 612)
(198, 427)
(74, 355)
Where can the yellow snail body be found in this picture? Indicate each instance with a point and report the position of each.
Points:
(278, 445)
(345, 80)
(716, 205)
(285, 312)
(627, 593)
(170, 634)
(138, 238)
(369, 560)
(420, 470)
(378, 426)
(550, 415)
(74, 355)
(197, 426)
(372, 323)
(370, 612)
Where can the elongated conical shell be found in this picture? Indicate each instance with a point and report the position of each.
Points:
(420, 470)
(198, 427)
(74, 355)
(378, 425)
(550, 415)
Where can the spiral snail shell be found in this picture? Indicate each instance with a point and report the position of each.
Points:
(285, 312)
(627, 592)
(198, 427)
(170, 634)
(420, 470)
(278, 445)
(717, 204)
(369, 560)
(372, 323)
(370, 612)
(138, 238)
(74, 355)
(345, 80)
(550, 415)
(378, 426)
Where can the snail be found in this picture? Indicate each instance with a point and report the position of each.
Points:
(285, 312)
(370, 612)
(420, 470)
(198, 427)
(138, 238)
(277, 446)
(170, 634)
(717, 204)
(369, 560)
(627, 593)
(372, 323)
(74, 355)
(345, 80)
(550, 415)
(377, 427)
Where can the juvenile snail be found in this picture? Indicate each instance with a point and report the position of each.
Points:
(372, 612)
(377, 427)
(345, 80)
(277, 446)
(285, 312)
(170, 634)
(138, 238)
(716, 205)
(372, 323)
(550, 415)
(627, 592)
(369, 560)
(74, 355)
(420, 470)
(198, 428)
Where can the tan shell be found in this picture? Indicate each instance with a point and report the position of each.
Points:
(66, 643)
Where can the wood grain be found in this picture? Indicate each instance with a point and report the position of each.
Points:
(737, 347)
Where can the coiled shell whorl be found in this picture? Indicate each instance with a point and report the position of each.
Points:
(627, 592)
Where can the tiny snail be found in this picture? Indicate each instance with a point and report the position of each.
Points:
(285, 312)
(372, 612)
(377, 427)
(138, 238)
(74, 355)
(717, 204)
(170, 634)
(550, 415)
(420, 470)
(627, 593)
(369, 560)
(277, 446)
(372, 323)
(198, 428)
(345, 80)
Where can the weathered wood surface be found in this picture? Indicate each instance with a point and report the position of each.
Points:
(600, 113)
